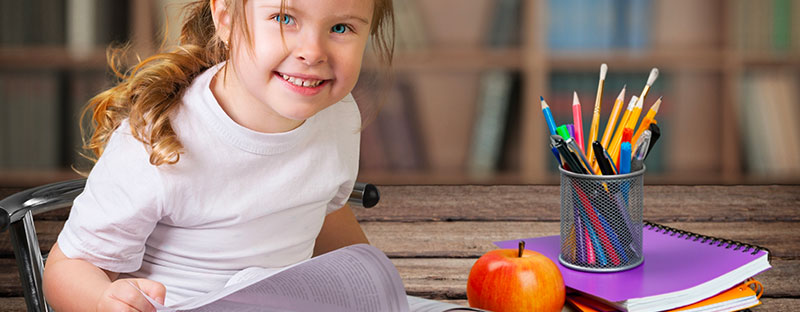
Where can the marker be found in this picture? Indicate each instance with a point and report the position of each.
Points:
(640, 152)
(563, 132)
(602, 161)
(655, 134)
(573, 147)
(569, 159)
(625, 158)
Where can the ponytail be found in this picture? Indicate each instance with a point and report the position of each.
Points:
(149, 92)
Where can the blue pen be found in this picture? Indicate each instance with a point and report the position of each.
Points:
(625, 158)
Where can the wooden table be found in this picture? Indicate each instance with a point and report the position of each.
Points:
(435, 233)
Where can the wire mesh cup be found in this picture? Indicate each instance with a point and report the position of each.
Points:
(601, 221)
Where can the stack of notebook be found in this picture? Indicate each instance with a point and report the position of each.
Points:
(679, 269)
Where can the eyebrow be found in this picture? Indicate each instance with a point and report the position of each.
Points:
(358, 18)
(346, 16)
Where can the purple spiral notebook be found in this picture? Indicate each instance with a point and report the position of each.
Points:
(679, 268)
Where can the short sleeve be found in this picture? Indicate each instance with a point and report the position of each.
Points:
(110, 221)
(348, 138)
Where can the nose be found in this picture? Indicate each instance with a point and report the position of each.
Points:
(310, 49)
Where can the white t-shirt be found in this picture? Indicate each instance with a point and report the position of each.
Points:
(236, 199)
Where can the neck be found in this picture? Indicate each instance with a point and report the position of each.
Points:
(245, 109)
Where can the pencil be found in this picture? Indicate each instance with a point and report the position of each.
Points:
(635, 113)
(612, 120)
(613, 150)
(577, 121)
(650, 80)
(595, 126)
(648, 119)
(611, 124)
(548, 116)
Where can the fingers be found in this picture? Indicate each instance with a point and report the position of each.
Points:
(123, 295)
(152, 288)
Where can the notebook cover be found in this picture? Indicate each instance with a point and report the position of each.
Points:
(736, 293)
(670, 264)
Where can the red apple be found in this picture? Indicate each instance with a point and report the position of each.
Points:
(515, 280)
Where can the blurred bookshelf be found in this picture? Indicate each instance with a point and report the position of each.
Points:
(462, 106)
(730, 72)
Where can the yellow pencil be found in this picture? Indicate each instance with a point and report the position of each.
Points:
(613, 150)
(595, 126)
(648, 119)
(635, 113)
(650, 80)
(612, 120)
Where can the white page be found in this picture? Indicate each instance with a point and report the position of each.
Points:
(354, 278)
(417, 304)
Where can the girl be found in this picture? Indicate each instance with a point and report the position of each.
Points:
(238, 149)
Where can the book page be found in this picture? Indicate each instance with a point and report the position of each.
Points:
(353, 278)
(417, 304)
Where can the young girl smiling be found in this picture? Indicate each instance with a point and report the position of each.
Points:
(238, 149)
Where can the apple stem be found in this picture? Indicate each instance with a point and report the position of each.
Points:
(521, 247)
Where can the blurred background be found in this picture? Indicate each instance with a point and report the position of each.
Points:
(463, 106)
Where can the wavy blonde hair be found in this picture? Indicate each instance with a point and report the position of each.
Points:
(151, 90)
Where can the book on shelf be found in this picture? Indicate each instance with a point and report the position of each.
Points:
(767, 26)
(392, 140)
(580, 25)
(30, 124)
(767, 115)
(679, 268)
(32, 23)
(412, 36)
(353, 278)
(686, 24)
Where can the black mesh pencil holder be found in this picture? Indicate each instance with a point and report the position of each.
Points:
(601, 221)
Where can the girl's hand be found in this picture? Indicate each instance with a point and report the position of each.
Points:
(122, 295)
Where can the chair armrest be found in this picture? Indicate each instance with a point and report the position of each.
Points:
(61, 194)
(38, 200)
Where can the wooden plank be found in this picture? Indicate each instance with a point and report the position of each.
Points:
(662, 203)
(12, 304)
(542, 203)
(472, 239)
(17, 304)
(442, 278)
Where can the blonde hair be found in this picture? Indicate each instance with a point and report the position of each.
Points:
(151, 90)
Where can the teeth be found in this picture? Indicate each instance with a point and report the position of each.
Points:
(301, 82)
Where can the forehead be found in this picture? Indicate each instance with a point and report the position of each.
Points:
(329, 7)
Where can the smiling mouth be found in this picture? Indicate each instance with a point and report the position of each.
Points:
(301, 82)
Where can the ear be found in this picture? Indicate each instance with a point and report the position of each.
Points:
(222, 20)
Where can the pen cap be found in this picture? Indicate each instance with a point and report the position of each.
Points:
(601, 221)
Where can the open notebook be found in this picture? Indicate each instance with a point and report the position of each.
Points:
(679, 268)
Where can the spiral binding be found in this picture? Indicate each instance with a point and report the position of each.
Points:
(705, 238)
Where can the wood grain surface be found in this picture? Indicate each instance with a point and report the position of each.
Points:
(434, 234)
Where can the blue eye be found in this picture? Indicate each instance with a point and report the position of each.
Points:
(339, 28)
(285, 20)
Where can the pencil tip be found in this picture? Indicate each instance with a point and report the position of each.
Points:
(541, 98)
(575, 100)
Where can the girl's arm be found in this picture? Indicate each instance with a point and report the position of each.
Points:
(339, 229)
(77, 285)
